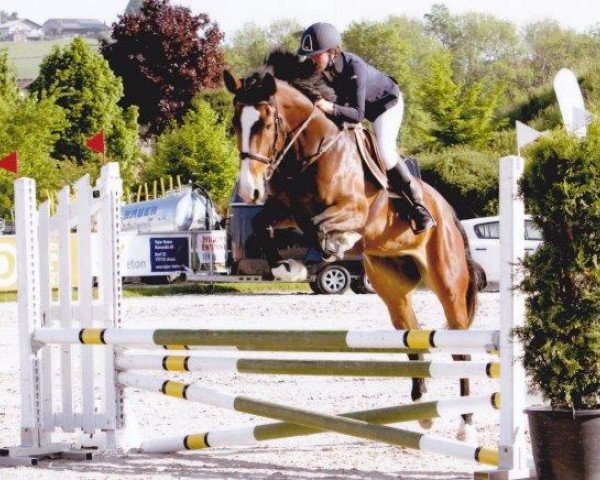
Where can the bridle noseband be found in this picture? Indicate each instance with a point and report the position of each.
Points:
(257, 156)
(275, 158)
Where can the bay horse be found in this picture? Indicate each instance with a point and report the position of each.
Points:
(308, 170)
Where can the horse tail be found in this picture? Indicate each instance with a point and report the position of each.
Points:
(477, 277)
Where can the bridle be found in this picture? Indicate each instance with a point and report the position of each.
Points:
(275, 158)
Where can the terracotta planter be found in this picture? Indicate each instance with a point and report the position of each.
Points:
(565, 444)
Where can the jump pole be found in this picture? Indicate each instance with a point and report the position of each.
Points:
(355, 368)
(332, 423)
(250, 435)
(279, 339)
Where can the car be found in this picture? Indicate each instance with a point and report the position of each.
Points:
(484, 242)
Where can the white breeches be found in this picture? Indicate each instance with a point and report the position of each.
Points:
(387, 126)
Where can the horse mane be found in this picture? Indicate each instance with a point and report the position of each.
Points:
(289, 67)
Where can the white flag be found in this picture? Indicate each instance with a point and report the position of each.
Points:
(526, 135)
(581, 119)
(569, 97)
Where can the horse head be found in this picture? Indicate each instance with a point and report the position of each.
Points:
(258, 129)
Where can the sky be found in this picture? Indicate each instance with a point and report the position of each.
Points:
(232, 14)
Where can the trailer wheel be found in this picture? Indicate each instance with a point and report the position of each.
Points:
(362, 284)
(333, 280)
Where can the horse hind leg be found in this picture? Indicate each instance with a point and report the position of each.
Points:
(394, 280)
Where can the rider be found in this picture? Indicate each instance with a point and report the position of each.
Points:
(364, 92)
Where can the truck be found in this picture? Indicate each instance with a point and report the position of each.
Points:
(181, 235)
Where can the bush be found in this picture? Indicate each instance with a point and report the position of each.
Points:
(562, 332)
(467, 179)
(200, 150)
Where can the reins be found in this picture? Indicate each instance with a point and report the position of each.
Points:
(272, 166)
(274, 161)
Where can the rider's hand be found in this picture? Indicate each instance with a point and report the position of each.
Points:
(325, 105)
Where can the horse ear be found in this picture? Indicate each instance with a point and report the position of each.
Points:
(233, 84)
(268, 84)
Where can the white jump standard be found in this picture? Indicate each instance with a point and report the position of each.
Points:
(92, 328)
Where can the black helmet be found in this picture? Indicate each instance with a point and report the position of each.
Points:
(319, 38)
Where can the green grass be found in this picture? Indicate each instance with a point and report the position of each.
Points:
(27, 56)
(205, 288)
(133, 291)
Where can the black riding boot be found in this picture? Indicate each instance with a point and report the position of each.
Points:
(402, 181)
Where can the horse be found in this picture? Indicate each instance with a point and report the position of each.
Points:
(309, 170)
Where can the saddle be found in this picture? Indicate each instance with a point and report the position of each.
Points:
(371, 156)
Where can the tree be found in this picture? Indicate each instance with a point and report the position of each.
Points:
(134, 6)
(85, 87)
(482, 47)
(199, 150)
(398, 47)
(551, 47)
(7, 17)
(251, 44)
(219, 100)
(462, 114)
(9, 91)
(31, 128)
(164, 55)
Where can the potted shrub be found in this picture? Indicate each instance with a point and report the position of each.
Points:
(561, 334)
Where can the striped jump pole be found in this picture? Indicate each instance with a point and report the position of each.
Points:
(332, 423)
(277, 339)
(366, 368)
(271, 431)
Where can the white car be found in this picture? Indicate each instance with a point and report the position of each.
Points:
(484, 241)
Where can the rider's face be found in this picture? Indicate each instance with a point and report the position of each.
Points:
(321, 60)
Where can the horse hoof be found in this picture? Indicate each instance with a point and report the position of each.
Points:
(329, 258)
(466, 433)
(426, 423)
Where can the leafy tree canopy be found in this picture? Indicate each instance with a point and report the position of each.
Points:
(164, 55)
(83, 85)
(199, 150)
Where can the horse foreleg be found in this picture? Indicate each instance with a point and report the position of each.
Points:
(419, 389)
(338, 230)
(466, 430)
(276, 214)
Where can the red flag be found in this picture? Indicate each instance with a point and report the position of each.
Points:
(10, 162)
(96, 143)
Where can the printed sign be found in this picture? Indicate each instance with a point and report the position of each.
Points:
(212, 247)
(8, 261)
(8, 264)
(168, 254)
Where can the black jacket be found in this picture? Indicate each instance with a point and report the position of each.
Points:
(362, 90)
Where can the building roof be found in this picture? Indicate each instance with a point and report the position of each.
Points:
(75, 23)
(22, 22)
